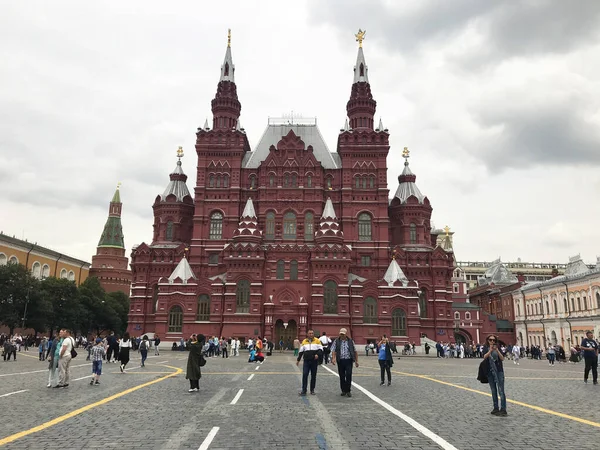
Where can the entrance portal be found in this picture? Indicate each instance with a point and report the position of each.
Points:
(285, 334)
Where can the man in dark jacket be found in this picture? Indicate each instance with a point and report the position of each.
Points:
(344, 354)
(590, 355)
(311, 350)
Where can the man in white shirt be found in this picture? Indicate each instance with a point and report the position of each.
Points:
(325, 342)
(516, 351)
(64, 359)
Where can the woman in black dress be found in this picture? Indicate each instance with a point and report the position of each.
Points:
(193, 372)
(124, 347)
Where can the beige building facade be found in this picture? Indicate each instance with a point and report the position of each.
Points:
(559, 310)
(41, 261)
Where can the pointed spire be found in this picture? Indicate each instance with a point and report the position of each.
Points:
(247, 230)
(361, 106)
(206, 127)
(346, 126)
(117, 197)
(177, 186)
(329, 228)
(238, 126)
(183, 272)
(380, 127)
(361, 71)
(394, 273)
(112, 235)
(328, 212)
(407, 187)
(228, 69)
(249, 210)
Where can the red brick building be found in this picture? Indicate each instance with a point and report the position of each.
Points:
(289, 236)
(109, 264)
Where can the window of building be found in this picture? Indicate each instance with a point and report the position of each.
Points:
(216, 226)
(271, 180)
(280, 269)
(45, 271)
(270, 226)
(242, 296)
(218, 181)
(370, 310)
(371, 181)
(413, 233)
(364, 227)
(213, 258)
(330, 297)
(455, 288)
(13, 260)
(329, 183)
(309, 226)
(294, 180)
(365, 260)
(252, 182)
(309, 181)
(169, 232)
(423, 304)
(203, 314)
(36, 270)
(597, 300)
(547, 307)
(3, 259)
(456, 315)
(467, 316)
(286, 180)
(211, 180)
(357, 184)
(364, 182)
(154, 298)
(293, 269)
(226, 181)
(175, 319)
(565, 305)
(555, 306)
(398, 322)
(572, 304)
(289, 226)
(63, 273)
(71, 276)
(584, 303)
(578, 304)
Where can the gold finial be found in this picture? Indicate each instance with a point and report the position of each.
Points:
(229, 37)
(118, 185)
(360, 36)
(447, 230)
(405, 153)
(180, 152)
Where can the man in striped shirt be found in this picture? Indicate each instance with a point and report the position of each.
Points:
(311, 350)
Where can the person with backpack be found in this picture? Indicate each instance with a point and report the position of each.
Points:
(144, 346)
(495, 374)
(124, 348)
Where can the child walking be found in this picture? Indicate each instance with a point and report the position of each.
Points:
(98, 352)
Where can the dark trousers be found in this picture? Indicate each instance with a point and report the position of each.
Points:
(225, 353)
(309, 367)
(345, 372)
(591, 363)
(194, 384)
(384, 365)
(109, 353)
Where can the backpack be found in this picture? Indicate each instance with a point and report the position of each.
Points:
(482, 374)
(144, 345)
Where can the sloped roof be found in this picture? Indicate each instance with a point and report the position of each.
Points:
(183, 272)
(407, 186)
(497, 274)
(309, 134)
(177, 185)
(394, 273)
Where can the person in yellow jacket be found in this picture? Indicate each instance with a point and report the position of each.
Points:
(311, 350)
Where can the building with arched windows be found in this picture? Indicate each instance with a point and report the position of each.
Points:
(289, 235)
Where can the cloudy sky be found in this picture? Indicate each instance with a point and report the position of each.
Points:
(498, 102)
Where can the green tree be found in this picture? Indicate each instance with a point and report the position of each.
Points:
(16, 287)
(119, 302)
(39, 311)
(63, 295)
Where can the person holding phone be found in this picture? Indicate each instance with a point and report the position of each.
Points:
(495, 356)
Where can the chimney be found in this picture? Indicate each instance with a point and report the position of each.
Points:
(521, 277)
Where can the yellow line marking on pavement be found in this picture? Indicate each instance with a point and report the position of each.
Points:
(29, 356)
(515, 402)
(56, 421)
(141, 373)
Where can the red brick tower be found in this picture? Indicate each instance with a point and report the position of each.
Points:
(109, 264)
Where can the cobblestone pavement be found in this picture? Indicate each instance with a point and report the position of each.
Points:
(431, 404)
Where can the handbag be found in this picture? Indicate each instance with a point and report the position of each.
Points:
(202, 361)
(482, 374)
(73, 352)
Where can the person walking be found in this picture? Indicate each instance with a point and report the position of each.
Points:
(551, 352)
(97, 354)
(156, 344)
(53, 355)
(296, 346)
(144, 346)
(64, 359)
(343, 353)
(124, 348)
(311, 350)
(516, 351)
(385, 360)
(590, 355)
(224, 350)
(326, 343)
(495, 374)
(193, 372)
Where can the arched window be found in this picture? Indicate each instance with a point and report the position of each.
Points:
(271, 180)
(584, 303)
(370, 310)
(36, 270)
(252, 182)
(398, 322)
(413, 233)
(294, 180)
(362, 69)
(242, 296)
(293, 269)
(286, 180)
(289, 226)
(211, 180)
(518, 309)
(423, 304)
(565, 306)
(329, 183)
(572, 304)
(218, 181)
(3, 259)
(547, 307)
(456, 315)
(371, 181)
(555, 306)
(309, 230)
(309, 181)
(169, 232)
(45, 271)
(578, 304)
(270, 226)
(330, 297)
(203, 314)
(467, 316)
(216, 226)
(226, 70)
(63, 274)
(225, 180)
(364, 182)
(597, 300)
(175, 319)
(13, 260)
(280, 269)
(364, 227)
(155, 298)
(357, 183)
(71, 276)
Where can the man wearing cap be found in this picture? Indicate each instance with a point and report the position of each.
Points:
(590, 354)
(344, 354)
(311, 350)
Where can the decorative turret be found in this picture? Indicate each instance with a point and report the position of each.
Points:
(174, 208)
(183, 273)
(225, 106)
(407, 187)
(329, 228)
(361, 106)
(247, 230)
(394, 273)
(109, 264)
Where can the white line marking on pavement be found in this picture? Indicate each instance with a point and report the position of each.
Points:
(82, 378)
(250, 377)
(36, 371)
(209, 438)
(257, 367)
(162, 362)
(413, 423)
(236, 398)
(12, 393)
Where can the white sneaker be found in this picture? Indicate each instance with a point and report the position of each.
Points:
(191, 390)
(49, 385)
